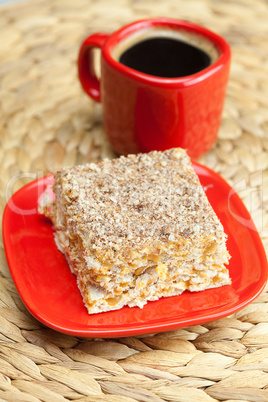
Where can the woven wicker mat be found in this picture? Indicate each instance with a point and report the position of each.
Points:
(47, 122)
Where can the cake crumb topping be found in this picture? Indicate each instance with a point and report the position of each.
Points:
(138, 200)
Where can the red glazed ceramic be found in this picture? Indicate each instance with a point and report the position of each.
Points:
(143, 112)
(49, 290)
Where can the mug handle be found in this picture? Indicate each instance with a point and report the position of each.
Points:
(86, 69)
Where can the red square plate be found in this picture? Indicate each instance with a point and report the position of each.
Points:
(48, 288)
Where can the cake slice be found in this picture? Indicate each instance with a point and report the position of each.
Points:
(137, 228)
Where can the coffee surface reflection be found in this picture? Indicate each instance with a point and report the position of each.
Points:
(165, 57)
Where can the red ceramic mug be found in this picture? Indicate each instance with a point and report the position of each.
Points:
(155, 93)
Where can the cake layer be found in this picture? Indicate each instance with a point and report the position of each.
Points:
(117, 277)
(122, 209)
(150, 287)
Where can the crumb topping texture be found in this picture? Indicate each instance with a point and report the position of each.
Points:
(136, 201)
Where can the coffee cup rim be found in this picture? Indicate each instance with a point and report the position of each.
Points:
(116, 37)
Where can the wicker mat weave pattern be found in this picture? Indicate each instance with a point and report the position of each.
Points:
(46, 122)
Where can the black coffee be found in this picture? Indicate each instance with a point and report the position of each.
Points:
(165, 57)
